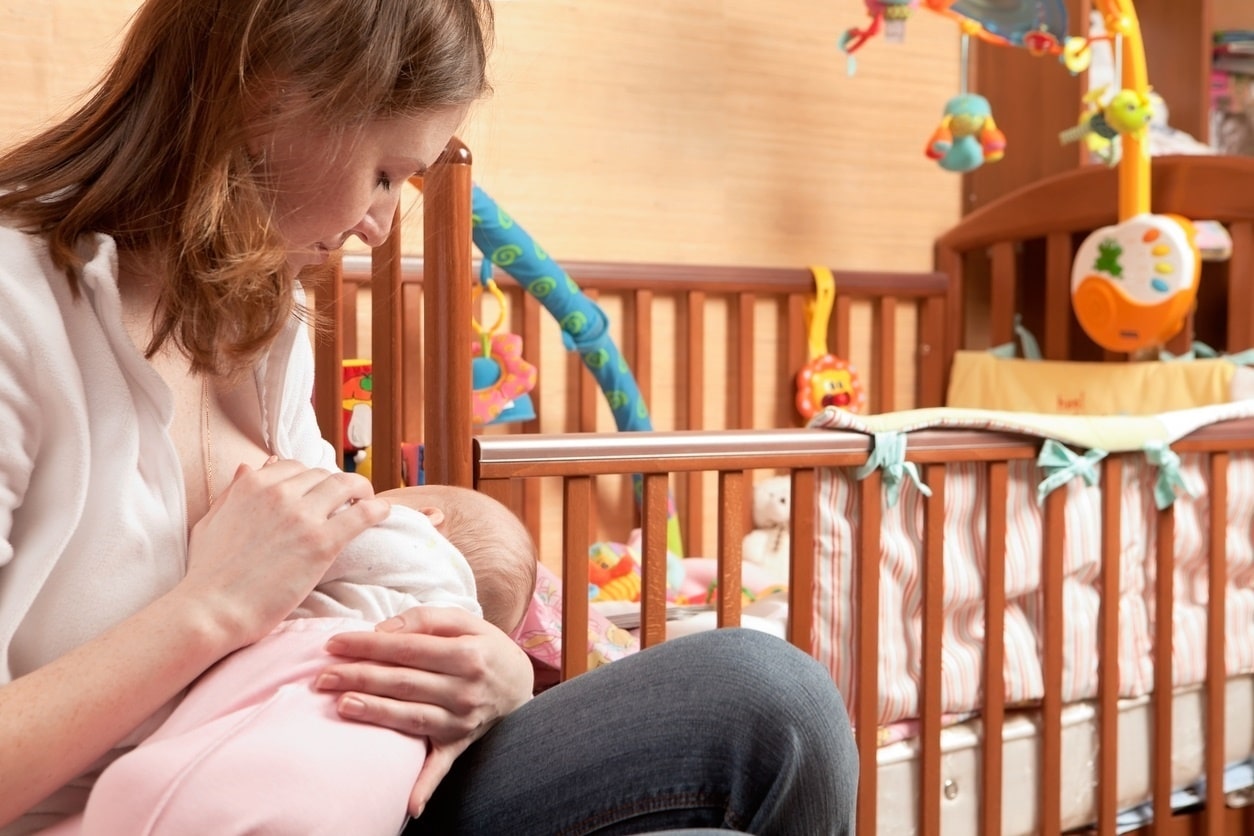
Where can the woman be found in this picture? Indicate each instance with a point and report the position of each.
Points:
(154, 363)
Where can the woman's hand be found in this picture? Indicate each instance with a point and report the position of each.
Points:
(269, 539)
(437, 672)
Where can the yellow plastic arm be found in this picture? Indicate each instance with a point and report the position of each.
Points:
(1134, 163)
(819, 310)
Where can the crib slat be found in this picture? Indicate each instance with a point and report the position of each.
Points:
(576, 540)
(694, 528)
(886, 354)
(742, 418)
(933, 626)
(640, 314)
(386, 353)
(348, 310)
(1002, 291)
(953, 263)
(794, 354)
(446, 362)
(653, 573)
(411, 391)
(1164, 642)
(731, 532)
(1108, 643)
(1216, 666)
(533, 352)
(930, 378)
(1058, 260)
(841, 327)
(866, 686)
(498, 489)
(695, 312)
(1051, 702)
(586, 392)
(801, 561)
(328, 358)
(1240, 291)
(994, 649)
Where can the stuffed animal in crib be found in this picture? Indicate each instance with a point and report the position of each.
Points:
(614, 570)
(967, 136)
(613, 574)
(767, 545)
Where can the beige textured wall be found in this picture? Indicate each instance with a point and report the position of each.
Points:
(692, 131)
(699, 131)
(50, 52)
(717, 131)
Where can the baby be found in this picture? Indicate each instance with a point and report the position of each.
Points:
(254, 747)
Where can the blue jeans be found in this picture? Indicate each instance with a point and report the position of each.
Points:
(729, 729)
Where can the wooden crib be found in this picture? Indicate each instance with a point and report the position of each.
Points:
(710, 472)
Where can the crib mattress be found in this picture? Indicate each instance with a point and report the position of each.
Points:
(898, 779)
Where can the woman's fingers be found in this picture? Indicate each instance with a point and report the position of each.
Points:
(450, 682)
(438, 762)
(321, 492)
(271, 536)
(419, 718)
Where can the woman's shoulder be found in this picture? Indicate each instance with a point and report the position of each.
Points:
(18, 243)
(25, 271)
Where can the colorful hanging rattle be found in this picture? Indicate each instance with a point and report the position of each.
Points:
(501, 379)
(825, 380)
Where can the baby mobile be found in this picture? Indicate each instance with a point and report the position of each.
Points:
(1134, 282)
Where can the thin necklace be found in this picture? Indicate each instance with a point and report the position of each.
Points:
(206, 438)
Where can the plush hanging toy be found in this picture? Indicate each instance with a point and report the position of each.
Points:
(826, 380)
(500, 378)
(967, 136)
(1127, 112)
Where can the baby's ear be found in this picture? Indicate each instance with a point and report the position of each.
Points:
(436, 515)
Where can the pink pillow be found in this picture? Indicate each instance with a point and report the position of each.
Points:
(540, 633)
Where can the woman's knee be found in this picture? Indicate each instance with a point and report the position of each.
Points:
(760, 676)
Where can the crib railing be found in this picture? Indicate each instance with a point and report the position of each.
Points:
(708, 347)
(504, 464)
(1014, 255)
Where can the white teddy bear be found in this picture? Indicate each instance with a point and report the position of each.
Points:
(767, 544)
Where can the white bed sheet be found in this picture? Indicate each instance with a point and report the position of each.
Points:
(898, 778)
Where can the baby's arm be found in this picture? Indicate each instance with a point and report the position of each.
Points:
(403, 562)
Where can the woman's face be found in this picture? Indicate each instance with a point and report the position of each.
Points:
(329, 188)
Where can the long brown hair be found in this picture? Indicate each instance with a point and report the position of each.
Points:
(157, 156)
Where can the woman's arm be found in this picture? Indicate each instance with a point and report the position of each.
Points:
(253, 557)
(57, 720)
(433, 671)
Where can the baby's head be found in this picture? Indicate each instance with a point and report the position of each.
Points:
(493, 540)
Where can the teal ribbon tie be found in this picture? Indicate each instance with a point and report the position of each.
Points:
(1169, 483)
(1031, 349)
(1061, 464)
(1201, 350)
(888, 455)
